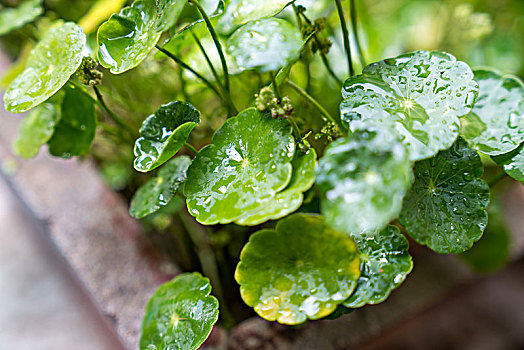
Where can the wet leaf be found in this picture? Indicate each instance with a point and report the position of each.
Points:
(127, 37)
(53, 60)
(179, 315)
(265, 45)
(163, 134)
(289, 199)
(385, 263)
(420, 94)
(513, 163)
(37, 128)
(98, 13)
(239, 12)
(301, 270)
(12, 18)
(159, 191)
(446, 207)
(75, 130)
(247, 164)
(363, 179)
(496, 123)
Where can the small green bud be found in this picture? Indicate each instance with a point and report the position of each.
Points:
(87, 72)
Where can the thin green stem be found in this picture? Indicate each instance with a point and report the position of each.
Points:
(195, 73)
(345, 33)
(354, 26)
(191, 148)
(325, 115)
(496, 179)
(275, 86)
(111, 114)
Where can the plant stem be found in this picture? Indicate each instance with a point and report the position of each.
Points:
(191, 148)
(275, 86)
(345, 33)
(496, 179)
(111, 114)
(216, 40)
(186, 66)
(323, 112)
(353, 15)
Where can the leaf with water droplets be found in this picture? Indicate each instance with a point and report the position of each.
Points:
(159, 191)
(420, 94)
(247, 164)
(163, 134)
(513, 163)
(265, 45)
(363, 179)
(385, 263)
(127, 37)
(179, 315)
(50, 64)
(301, 270)
(12, 18)
(239, 12)
(75, 130)
(37, 128)
(496, 123)
(446, 207)
(290, 198)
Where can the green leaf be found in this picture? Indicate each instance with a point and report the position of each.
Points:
(163, 134)
(159, 191)
(446, 207)
(75, 130)
(265, 45)
(126, 38)
(239, 12)
(179, 315)
(12, 18)
(247, 164)
(420, 94)
(53, 60)
(289, 199)
(513, 163)
(385, 264)
(363, 179)
(301, 270)
(37, 128)
(496, 123)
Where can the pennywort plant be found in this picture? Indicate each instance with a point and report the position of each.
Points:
(245, 153)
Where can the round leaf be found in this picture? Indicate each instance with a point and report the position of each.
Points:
(158, 192)
(446, 207)
(163, 134)
(179, 315)
(364, 178)
(75, 130)
(513, 163)
(496, 124)
(12, 18)
(239, 12)
(37, 128)
(53, 60)
(265, 45)
(290, 198)
(385, 264)
(126, 38)
(248, 162)
(420, 94)
(301, 270)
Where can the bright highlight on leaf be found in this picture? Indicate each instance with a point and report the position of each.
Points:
(246, 166)
(163, 134)
(385, 265)
(265, 45)
(496, 124)
(446, 207)
(179, 315)
(159, 191)
(363, 179)
(12, 18)
(420, 95)
(126, 38)
(301, 270)
(53, 60)
(239, 12)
